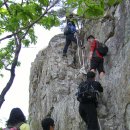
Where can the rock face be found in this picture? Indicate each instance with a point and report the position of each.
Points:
(53, 79)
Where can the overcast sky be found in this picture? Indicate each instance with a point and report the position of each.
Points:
(18, 95)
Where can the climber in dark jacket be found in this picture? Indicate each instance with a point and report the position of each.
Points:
(69, 36)
(48, 124)
(87, 109)
(96, 59)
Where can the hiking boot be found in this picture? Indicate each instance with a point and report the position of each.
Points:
(64, 55)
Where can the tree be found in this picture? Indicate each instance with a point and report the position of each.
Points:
(17, 20)
(85, 10)
(89, 8)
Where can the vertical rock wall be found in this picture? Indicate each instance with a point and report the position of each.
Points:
(53, 81)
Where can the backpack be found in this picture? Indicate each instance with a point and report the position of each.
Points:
(102, 48)
(86, 93)
(69, 29)
(17, 127)
(12, 128)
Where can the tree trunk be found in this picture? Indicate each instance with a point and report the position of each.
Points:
(12, 74)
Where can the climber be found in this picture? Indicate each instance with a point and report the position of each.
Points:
(95, 58)
(69, 18)
(69, 31)
(72, 18)
(88, 102)
(48, 124)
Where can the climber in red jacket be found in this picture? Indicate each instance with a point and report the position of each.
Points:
(96, 59)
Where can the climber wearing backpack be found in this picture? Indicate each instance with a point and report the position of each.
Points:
(96, 55)
(69, 31)
(87, 96)
(72, 18)
(17, 120)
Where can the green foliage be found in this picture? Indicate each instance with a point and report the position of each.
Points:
(6, 54)
(49, 20)
(44, 2)
(87, 8)
(26, 42)
(90, 8)
(17, 20)
(113, 2)
(20, 18)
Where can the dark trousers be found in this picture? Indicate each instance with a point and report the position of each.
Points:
(88, 113)
(97, 63)
(69, 39)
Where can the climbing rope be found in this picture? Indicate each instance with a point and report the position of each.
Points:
(78, 48)
(82, 63)
(82, 70)
(100, 128)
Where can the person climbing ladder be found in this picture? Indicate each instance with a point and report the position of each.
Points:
(95, 57)
(69, 31)
(87, 96)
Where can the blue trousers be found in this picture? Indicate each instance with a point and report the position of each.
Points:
(69, 39)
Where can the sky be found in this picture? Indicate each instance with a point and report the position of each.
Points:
(18, 95)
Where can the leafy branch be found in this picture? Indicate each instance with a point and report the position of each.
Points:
(90, 9)
(20, 21)
(33, 23)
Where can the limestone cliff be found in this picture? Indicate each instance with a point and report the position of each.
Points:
(53, 81)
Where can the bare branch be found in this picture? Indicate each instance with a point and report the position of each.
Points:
(9, 36)
(16, 37)
(2, 28)
(6, 68)
(27, 2)
(11, 14)
(22, 2)
(25, 33)
(4, 3)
